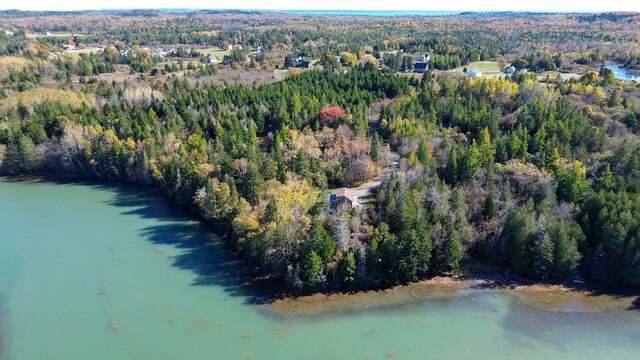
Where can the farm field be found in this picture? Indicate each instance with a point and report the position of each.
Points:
(484, 66)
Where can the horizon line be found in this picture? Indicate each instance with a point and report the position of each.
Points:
(449, 12)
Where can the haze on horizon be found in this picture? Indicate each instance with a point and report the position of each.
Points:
(398, 5)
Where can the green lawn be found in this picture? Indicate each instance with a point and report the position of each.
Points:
(219, 53)
(484, 66)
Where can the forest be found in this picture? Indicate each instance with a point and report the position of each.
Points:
(535, 175)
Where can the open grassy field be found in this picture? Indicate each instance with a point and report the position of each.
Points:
(83, 51)
(217, 52)
(484, 66)
(37, 35)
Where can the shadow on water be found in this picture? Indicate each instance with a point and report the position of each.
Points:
(203, 252)
(616, 292)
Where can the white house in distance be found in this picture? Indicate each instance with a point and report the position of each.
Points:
(212, 59)
(511, 70)
(301, 63)
(474, 73)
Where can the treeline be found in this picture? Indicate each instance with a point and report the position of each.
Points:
(252, 162)
(452, 41)
(517, 150)
(511, 172)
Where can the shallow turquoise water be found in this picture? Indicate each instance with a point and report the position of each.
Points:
(75, 258)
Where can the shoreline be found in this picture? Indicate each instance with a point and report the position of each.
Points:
(550, 296)
(271, 297)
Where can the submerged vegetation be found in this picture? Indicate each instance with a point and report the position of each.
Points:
(533, 173)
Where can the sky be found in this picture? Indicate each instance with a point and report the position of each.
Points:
(451, 5)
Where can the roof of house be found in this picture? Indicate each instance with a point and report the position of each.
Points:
(420, 65)
(346, 193)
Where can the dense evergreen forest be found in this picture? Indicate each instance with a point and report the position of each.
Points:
(539, 176)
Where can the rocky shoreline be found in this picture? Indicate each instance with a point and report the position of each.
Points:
(551, 297)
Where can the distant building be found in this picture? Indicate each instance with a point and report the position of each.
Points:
(420, 67)
(474, 73)
(511, 70)
(301, 63)
(8, 33)
(342, 197)
(68, 46)
(523, 71)
(212, 59)
(388, 52)
(256, 49)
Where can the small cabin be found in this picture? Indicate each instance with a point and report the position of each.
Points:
(511, 70)
(342, 197)
(212, 59)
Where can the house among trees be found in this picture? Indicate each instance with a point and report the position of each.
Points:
(511, 70)
(342, 197)
(422, 65)
(212, 59)
(474, 73)
(301, 63)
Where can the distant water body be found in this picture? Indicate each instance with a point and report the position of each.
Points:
(624, 74)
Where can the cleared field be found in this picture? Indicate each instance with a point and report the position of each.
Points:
(84, 51)
(484, 66)
(34, 35)
(554, 74)
(216, 52)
